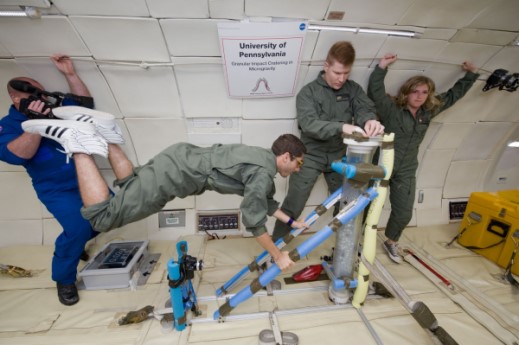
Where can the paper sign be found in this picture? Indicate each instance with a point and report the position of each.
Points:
(261, 59)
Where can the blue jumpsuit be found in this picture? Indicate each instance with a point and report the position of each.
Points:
(55, 183)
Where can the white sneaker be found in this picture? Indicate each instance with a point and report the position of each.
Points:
(104, 123)
(75, 137)
(392, 251)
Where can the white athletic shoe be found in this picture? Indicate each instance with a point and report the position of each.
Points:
(104, 123)
(75, 137)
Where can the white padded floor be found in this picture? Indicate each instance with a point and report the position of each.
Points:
(31, 314)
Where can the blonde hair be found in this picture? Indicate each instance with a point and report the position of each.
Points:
(431, 103)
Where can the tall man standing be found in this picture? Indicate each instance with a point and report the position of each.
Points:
(327, 108)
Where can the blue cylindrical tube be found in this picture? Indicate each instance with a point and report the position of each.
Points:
(176, 296)
(346, 170)
(303, 249)
(310, 219)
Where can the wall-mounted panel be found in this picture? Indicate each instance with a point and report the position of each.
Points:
(150, 136)
(127, 39)
(65, 39)
(123, 8)
(144, 93)
(191, 37)
(204, 92)
(156, 233)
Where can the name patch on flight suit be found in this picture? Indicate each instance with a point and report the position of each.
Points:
(342, 97)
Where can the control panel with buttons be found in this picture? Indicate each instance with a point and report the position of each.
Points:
(222, 221)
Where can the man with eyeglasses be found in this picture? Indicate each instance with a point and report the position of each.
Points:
(178, 171)
(326, 109)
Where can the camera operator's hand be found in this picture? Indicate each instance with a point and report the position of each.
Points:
(63, 64)
(37, 108)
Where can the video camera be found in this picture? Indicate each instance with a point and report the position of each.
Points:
(50, 99)
(503, 80)
(191, 264)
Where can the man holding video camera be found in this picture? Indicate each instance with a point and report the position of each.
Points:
(53, 176)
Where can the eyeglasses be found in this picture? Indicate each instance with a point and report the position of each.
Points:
(300, 161)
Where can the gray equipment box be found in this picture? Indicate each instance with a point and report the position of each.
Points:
(114, 266)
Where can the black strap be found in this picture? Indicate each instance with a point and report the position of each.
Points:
(508, 270)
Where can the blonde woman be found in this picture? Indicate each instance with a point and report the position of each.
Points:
(408, 115)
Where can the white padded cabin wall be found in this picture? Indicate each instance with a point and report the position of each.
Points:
(443, 13)
(156, 64)
(65, 39)
(178, 8)
(144, 92)
(228, 9)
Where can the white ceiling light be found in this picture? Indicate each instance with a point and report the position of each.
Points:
(332, 28)
(27, 11)
(13, 14)
(403, 33)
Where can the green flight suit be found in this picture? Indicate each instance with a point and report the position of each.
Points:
(409, 133)
(184, 169)
(321, 113)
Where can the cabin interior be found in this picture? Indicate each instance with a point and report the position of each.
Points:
(157, 66)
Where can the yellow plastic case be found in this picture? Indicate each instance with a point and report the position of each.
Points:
(489, 222)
